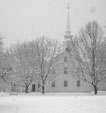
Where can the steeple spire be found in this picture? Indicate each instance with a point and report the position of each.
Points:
(68, 19)
(68, 32)
(68, 36)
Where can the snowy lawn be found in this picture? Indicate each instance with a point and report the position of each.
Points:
(53, 103)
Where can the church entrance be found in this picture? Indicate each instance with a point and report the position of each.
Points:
(33, 88)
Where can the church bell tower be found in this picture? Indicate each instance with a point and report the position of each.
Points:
(68, 36)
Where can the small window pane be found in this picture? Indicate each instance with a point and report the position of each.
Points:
(65, 59)
(78, 83)
(65, 70)
(53, 84)
(38, 85)
(65, 83)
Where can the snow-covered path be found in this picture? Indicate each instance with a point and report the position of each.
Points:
(52, 104)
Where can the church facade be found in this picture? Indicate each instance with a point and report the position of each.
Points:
(64, 78)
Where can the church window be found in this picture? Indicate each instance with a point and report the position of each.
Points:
(65, 59)
(65, 83)
(65, 70)
(78, 83)
(38, 85)
(53, 84)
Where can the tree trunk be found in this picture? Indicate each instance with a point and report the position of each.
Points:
(95, 89)
(43, 87)
(26, 89)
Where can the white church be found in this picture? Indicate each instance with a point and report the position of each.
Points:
(64, 80)
(64, 67)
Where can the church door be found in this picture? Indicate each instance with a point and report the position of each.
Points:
(33, 87)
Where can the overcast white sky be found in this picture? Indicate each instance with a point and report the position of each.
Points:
(27, 19)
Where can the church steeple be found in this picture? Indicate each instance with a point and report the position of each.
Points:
(68, 32)
(68, 21)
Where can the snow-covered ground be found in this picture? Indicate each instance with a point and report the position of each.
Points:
(53, 103)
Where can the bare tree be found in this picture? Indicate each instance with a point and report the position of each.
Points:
(86, 50)
(24, 65)
(5, 66)
(47, 49)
